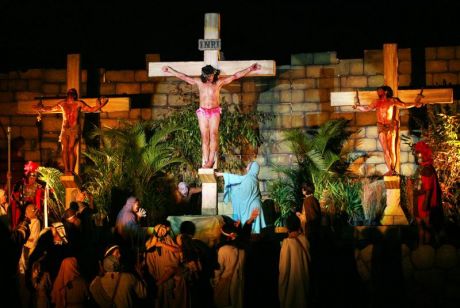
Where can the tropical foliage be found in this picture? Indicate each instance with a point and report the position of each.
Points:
(56, 202)
(237, 130)
(283, 197)
(443, 136)
(131, 159)
(140, 158)
(322, 158)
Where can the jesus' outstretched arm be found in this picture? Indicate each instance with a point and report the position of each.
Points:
(182, 76)
(237, 75)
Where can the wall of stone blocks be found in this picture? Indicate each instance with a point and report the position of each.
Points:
(299, 96)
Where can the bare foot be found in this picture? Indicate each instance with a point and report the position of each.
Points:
(209, 164)
(390, 173)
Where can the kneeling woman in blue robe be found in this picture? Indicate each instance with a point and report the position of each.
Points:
(243, 191)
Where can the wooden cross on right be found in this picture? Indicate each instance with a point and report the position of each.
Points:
(393, 213)
(390, 75)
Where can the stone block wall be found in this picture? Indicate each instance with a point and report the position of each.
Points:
(299, 96)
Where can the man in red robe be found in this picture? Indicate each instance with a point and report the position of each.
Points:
(428, 212)
(26, 191)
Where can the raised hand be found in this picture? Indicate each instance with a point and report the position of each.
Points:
(141, 213)
(418, 100)
(255, 212)
(102, 101)
(39, 105)
(255, 67)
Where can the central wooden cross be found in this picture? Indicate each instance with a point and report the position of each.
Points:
(227, 68)
(393, 214)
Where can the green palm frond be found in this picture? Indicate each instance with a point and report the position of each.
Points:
(131, 158)
(322, 159)
(52, 178)
(347, 197)
(283, 196)
(299, 142)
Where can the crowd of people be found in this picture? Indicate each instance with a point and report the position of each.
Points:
(73, 263)
(63, 265)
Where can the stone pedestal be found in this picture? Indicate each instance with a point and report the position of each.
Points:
(208, 191)
(72, 184)
(393, 214)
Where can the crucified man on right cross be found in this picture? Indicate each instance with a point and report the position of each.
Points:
(209, 85)
(387, 123)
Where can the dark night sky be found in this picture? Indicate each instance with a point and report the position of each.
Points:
(116, 35)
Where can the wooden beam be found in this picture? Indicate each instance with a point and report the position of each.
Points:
(390, 67)
(73, 72)
(114, 104)
(227, 68)
(211, 31)
(349, 98)
(432, 96)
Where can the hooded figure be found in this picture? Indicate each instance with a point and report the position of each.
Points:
(116, 288)
(243, 191)
(69, 288)
(127, 224)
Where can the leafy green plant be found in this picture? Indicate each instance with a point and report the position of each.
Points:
(237, 130)
(443, 137)
(139, 158)
(346, 195)
(131, 158)
(322, 158)
(283, 196)
(56, 203)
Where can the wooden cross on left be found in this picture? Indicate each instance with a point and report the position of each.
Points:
(73, 81)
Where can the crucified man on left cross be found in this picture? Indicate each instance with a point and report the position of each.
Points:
(70, 131)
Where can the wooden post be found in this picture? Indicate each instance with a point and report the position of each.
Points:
(73, 81)
(208, 191)
(45, 206)
(211, 31)
(390, 77)
(9, 167)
